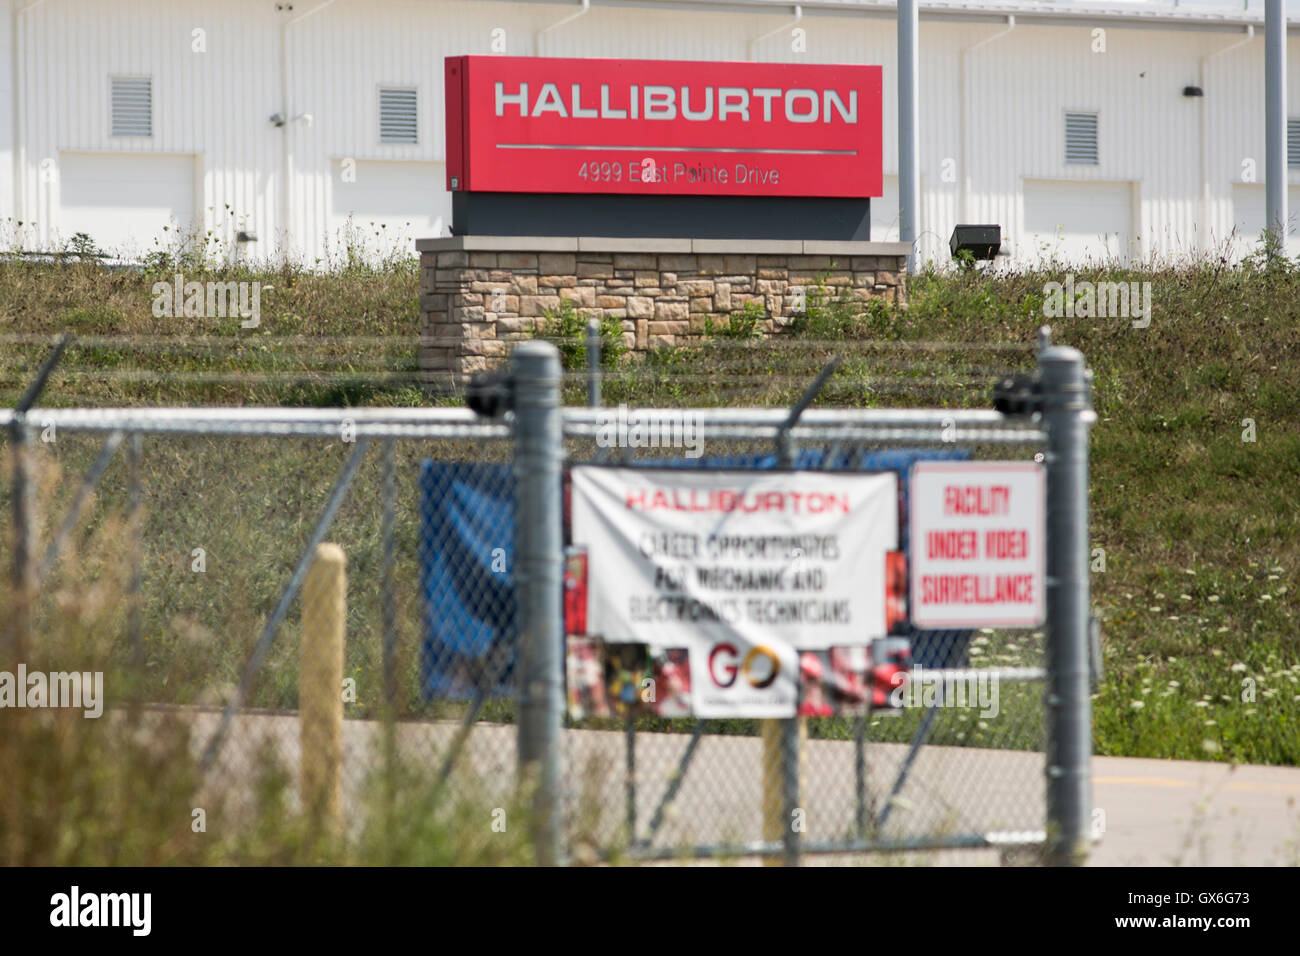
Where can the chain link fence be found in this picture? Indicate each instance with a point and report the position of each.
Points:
(173, 552)
(962, 773)
(331, 617)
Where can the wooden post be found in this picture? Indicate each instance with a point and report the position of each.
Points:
(776, 818)
(320, 686)
(773, 801)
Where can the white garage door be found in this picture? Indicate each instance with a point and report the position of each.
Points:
(123, 201)
(1249, 201)
(383, 206)
(1077, 223)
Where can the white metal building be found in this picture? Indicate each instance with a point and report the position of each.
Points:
(319, 123)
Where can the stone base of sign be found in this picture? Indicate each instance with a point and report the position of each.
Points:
(480, 293)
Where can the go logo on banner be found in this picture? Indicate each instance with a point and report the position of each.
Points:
(760, 667)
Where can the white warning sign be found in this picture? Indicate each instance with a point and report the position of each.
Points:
(978, 545)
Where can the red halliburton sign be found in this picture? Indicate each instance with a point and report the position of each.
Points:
(544, 125)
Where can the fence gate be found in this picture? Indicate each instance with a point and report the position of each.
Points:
(961, 722)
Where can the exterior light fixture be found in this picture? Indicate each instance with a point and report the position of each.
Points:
(983, 242)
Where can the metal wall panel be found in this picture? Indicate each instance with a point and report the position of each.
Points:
(212, 94)
(991, 116)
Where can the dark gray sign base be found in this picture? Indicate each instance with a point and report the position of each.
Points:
(667, 217)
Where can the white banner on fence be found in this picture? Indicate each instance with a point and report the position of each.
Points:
(742, 568)
(978, 545)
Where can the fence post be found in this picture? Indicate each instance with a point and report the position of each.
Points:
(773, 792)
(388, 618)
(24, 530)
(320, 686)
(593, 363)
(388, 599)
(1067, 411)
(135, 624)
(783, 748)
(539, 547)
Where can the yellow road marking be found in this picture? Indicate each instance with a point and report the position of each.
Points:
(1144, 781)
(1240, 786)
(1247, 785)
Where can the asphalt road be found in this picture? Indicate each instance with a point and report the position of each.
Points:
(1191, 813)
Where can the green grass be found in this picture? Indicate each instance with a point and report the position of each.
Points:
(343, 338)
(1200, 529)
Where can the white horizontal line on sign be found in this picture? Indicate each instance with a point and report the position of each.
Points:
(684, 149)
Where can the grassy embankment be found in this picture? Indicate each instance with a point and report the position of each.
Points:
(1200, 529)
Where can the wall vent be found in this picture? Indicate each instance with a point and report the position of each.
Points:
(1081, 139)
(398, 116)
(132, 107)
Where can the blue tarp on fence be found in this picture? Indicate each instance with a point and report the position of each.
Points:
(467, 545)
(467, 534)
